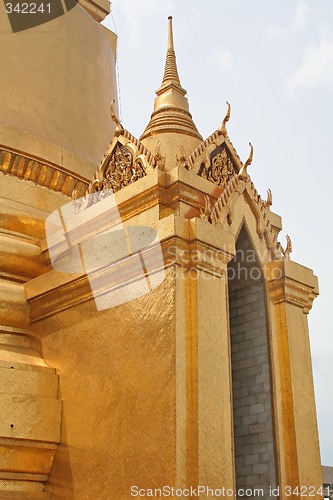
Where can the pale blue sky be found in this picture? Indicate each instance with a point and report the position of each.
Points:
(273, 60)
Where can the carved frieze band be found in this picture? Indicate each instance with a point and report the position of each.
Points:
(40, 172)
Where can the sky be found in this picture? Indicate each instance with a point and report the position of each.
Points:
(273, 61)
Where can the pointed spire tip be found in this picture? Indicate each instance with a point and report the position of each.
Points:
(171, 72)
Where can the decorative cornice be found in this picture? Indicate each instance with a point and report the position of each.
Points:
(291, 283)
(40, 172)
(20, 257)
(178, 247)
(98, 9)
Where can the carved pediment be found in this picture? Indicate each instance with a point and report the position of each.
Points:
(126, 161)
(220, 168)
(121, 169)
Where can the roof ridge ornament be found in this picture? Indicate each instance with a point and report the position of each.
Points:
(269, 201)
(289, 248)
(119, 128)
(243, 175)
(222, 129)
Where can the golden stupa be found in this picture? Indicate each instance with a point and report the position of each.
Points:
(153, 328)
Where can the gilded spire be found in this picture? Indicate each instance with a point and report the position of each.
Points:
(171, 71)
(171, 111)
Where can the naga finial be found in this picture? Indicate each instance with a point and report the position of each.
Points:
(205, 214)
(159, 158)
(223, 128)
(119, 128)
(269, 202)
(243, 175)
(181, 160)
(289, 248)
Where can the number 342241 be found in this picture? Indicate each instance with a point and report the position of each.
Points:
(28, 8)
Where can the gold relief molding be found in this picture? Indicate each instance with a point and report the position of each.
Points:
(196, 255)
(40, 172)
(77, 289)
(53, 292)
(291, 283)
(20, 257)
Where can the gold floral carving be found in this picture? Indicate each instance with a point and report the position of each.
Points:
(126, 161)
(220, 171)
(122, 170)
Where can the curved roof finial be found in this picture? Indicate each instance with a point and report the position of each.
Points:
(223, 128)
(250, 158)
(243, 171)
(119, 128)
(289, 248)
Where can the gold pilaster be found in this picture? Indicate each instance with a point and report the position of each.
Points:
(291, 290)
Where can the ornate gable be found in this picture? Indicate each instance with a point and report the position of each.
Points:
(222, 212)
(121, 166)
(219, 168)
(215, 159)
(126, 161)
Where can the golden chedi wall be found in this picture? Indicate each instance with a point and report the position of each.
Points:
(54, 127)
(134, 298)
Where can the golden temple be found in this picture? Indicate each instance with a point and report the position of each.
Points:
(153, 328)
